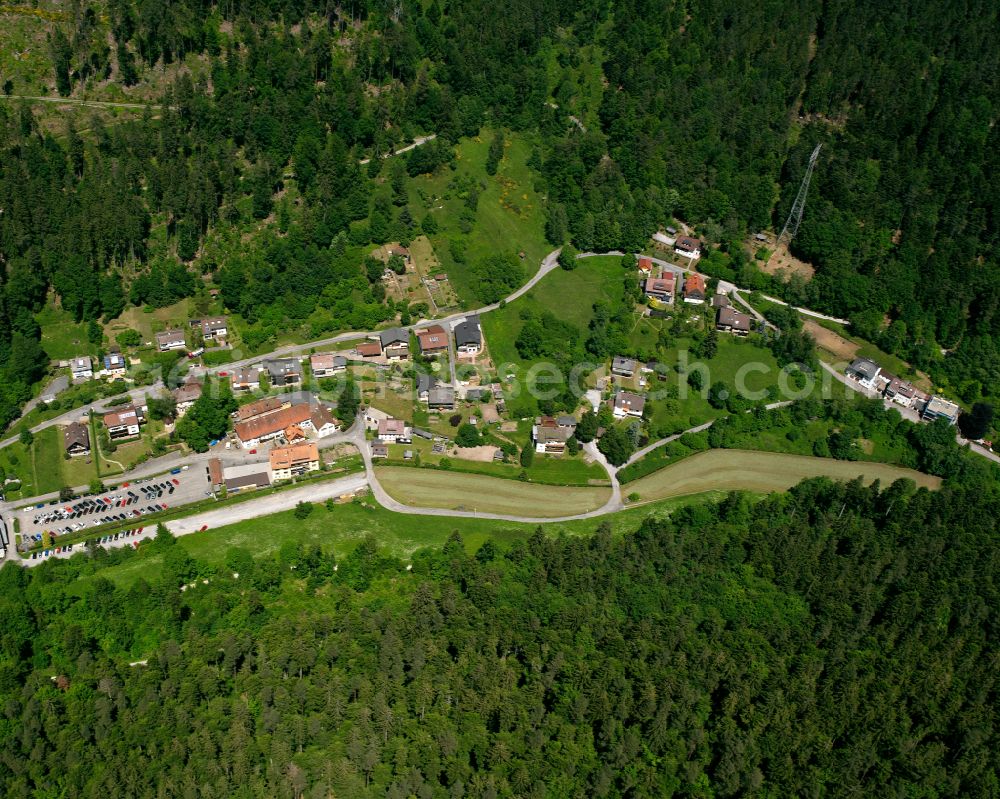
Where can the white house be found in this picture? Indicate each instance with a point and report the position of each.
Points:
(626, 403)
(865, 371)
(82, 368)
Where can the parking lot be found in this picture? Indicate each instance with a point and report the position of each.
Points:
(132, 502)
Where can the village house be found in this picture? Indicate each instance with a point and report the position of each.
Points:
(625, 403)
(323, 422)
(901, 392)
(400, 250)
(729, 321)
(370, 349)
(433, 340)
(124, 422)
(469, 336)
(380, 449)
(283, 371)
(259, 407)
(694, 289)
(170, 340)
(242, 476)
(213, 328)
(288, 462)
(325, 364)
(720, 301)
(645, 267)
(940, 408)
(661, 288)
(441, 398)
(688, 247)
(395, 344)
(393, 431)
(271, 425)
(186, 395)
(245, 380)
(114, 364)
(425, 384)
(623, 367)
(81, 368)
(550, 436)
(865, 371)
(76, 439)
(213, 472)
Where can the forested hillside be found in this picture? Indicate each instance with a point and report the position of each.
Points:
(833, 641)
(705, 111)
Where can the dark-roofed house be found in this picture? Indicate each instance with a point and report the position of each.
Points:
(114, 364)
(380, 449)
(325, 364)
(549, 436)
(433, 340)
(323, 422)
(395, 344)
(622, 366)
(688, 247)
(661, 288)
(170, 340)
(214, 327)
(76, 439)
(728, 320)
(720, 301)
(425, 383)
(865, 371)
(441, 398)
(625, 403)
(245, 380)
(469, 336)
(694, 289)
(283, 371)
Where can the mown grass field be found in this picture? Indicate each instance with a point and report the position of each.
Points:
(761, 472)
(428, 488)
(341, 529)
(62, 337)
(47, 457)
(509, 217)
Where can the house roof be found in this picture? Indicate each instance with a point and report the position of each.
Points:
(258, 479)
(380, 448)
(213, 323)
(369, 349)
(622, 363)
(123, 416)
(294, 433)
(442, 395)
(468, 332)
(727, 317)
(261, 406)
(279, 367)
(425, 382)
(287, 457)
(720, 301)
(901, 387)
(687, 243)
(660, 284)
(626, 400)
(321, 416)
(114, 360)
(566, 421)
(241, 376)
(168, 336)
(938, 406)
(432, 338)
(394, 335)
(188, 392)
(548, 430)
(694, 283)
(81, 363)
(866, 367)
(391, 427)
(271, 423)
(215, 471)
(645, 264)
(75, 434)
(327, 360)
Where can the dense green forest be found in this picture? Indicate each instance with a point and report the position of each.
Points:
(708, 112)
(835, 640)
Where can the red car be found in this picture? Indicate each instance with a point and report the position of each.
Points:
(253, 452)
(176, 482)
(223, 374)
(204, 527)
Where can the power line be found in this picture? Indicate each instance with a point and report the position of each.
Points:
(799, 206)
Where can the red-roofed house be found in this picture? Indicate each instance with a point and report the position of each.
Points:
(694, 289)
(661, 288)
(432, 340)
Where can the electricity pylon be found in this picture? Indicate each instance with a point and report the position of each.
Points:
(795, 216)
